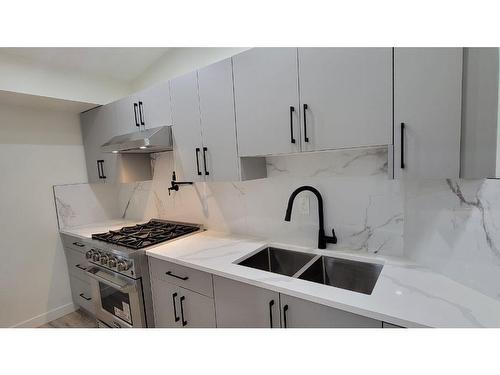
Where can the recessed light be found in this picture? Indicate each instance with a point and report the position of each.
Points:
(114, 152)
(142, 147)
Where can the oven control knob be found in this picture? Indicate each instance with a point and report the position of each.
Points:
(122, 266)
(89, 254)
(112, 262)
(104, 260)
(96, 257)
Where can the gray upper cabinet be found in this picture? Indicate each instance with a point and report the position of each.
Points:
(427, 112)
(299, 313)
(188, 146)
(240, 305)
(345, 96)
(217, 122)
(267, 101)
(154, 106)
(125, 116)
(98, 126)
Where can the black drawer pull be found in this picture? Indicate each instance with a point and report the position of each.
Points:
(271, 304)
(176, 318)
(79, 244)
(292, 109)
(141, 114)
(135, 115)
(205, 160)
(197, 161)
(306, 139)
(285, 309)
(402, 145)
(85, 298)
(80, 267)
(184, 322)
(183, 278)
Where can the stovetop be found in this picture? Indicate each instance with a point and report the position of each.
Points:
(143, 235)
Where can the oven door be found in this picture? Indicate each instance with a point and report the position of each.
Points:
(118, 299)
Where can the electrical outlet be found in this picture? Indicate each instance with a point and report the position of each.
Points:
(304, 205)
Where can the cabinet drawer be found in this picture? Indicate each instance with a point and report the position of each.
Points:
(74, 243)
(185, 277)
(82, 294)
(77, 263)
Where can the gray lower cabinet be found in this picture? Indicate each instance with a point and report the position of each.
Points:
(177, 307)
(299, 313)
(82, 293)
(241, 305)
(79, 281)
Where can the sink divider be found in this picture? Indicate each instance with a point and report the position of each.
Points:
(297, 274)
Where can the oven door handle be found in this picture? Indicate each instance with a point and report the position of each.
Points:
(108, 282)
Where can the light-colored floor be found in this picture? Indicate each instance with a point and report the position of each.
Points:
(76, 319)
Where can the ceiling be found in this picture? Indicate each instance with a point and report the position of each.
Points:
(121, 64)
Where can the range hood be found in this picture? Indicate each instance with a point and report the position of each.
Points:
(143, 142)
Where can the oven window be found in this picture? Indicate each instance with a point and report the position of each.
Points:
(115, 302)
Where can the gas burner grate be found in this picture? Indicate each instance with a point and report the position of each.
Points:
(143, 235)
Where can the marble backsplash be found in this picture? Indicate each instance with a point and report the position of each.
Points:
(453, 227)
(360, 202)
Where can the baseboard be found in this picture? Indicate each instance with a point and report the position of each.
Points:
(46, 317)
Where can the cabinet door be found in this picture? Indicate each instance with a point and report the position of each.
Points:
(427, 100)
(240, 305)
(348, 94)
(176, 307)
(154, 106)
(299, 313)
(196, 310)
(217, 122)
(96, 130)
(165, 304)
(265, 89)
(186, 127)
(126, 116)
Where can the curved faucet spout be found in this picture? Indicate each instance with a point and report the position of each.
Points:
(322, 239)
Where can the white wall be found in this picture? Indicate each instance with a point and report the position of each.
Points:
(38, 148)
(178, 61)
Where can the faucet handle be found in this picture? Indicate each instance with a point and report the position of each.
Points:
(333, 238)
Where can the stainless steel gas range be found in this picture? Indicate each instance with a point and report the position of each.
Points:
(119, 271)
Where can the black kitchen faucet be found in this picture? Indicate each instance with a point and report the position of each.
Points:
(322, 239)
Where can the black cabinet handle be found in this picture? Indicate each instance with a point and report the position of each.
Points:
(198, 161)
(141, 113)
(135, 115)
(285, 309)
(205, 160)
(80, 267)
(184, 322)
(292, 109)
(79, 244)
(85, 298)
(271, 304)
(176, 318)
(305, 124)
(100, 168)
(402, 145)
(183, 278)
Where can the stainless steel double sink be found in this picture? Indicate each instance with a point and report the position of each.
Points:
(342, 273)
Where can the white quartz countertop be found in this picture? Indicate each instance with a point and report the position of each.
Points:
(405, 294)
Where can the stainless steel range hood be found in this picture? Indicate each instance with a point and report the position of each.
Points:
(143, 142)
